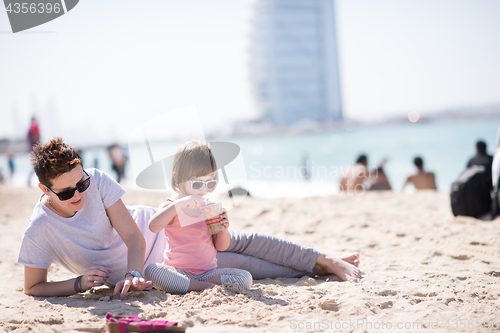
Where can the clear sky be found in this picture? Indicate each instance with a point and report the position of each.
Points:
(96, 73)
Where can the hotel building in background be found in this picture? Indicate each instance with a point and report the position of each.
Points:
(294, 62)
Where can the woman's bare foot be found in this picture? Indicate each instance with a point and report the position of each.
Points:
(345, 268)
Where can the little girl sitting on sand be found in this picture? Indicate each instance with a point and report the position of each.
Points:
(189, 258)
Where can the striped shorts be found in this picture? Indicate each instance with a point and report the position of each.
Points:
(176, 281)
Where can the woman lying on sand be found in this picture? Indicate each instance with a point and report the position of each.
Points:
(81, 223)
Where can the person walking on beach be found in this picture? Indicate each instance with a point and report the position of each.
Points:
(33, 133)
(305, 168)
(81, 211)
(12, 165)
(422, 180)
(118, 160)
(190, 256)
(353, 178)
(33, 139)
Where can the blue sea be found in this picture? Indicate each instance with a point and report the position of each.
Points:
(271, 165)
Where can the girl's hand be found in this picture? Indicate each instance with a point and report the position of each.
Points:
(224, 219)
(94, 276)
(221, 239)
(190, 202)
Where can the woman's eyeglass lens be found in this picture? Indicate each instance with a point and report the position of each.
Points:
(68, 194)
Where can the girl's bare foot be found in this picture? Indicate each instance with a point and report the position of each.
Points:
(352, 258)
(345, 268)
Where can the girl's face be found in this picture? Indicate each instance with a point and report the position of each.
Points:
(191, 186)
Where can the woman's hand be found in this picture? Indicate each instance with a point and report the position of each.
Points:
(94, 276)
(133, 283)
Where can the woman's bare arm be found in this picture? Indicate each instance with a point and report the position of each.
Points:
(35, 282)
(132, 236)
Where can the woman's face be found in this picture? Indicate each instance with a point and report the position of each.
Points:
(66, 181)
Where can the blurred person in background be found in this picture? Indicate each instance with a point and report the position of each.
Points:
(33, 139)
(482, 158)
(12, 166)
(118, 160)
(353, 178)
(495, 175)
(305, 170)
(422, 180)
(495, 165)
(380, 182)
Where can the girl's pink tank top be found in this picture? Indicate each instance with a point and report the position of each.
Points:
(190, 248)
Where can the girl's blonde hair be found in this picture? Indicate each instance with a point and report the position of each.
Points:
(192, 159)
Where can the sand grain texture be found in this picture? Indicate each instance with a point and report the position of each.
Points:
(422, 267)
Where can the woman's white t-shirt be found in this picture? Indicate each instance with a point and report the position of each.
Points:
(87, 238)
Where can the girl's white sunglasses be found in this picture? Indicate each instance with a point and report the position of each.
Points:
(198, 184)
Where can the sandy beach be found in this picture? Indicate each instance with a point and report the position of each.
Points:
(423, 270)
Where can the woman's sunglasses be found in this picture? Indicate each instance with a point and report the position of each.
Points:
(68, 194)
(198, 184)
